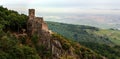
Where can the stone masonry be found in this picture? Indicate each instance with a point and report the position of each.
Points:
(35, 24)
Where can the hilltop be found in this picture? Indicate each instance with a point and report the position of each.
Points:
(15, 42)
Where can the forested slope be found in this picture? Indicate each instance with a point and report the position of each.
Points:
(103, 41)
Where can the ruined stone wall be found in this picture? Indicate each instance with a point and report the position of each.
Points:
(35, 24)
(44, 27)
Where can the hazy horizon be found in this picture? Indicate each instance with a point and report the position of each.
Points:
(64, 6)
(90, 12)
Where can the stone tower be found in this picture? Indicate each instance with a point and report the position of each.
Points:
(31, 13)
(35, 25)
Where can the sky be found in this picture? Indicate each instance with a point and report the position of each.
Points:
(64, 6)
(67, 10)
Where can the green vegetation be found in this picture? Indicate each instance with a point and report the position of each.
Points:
(102, 41)
(79, 33)
(11, 20)
(65, 43)
(105, 50)
(42, 50)
(114, 35)
(10, 46)
(78, 49)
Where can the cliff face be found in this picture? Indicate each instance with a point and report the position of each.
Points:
(65, 49)
(57, 47)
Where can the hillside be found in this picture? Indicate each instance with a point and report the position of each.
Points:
(86, 33)
(99, 40)
(79, 33)
(24, 48)
(15, 43)
(114, 35)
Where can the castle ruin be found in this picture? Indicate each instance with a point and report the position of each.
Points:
(35, 24)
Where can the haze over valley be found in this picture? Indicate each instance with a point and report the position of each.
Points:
(98, 13)
(97, 20)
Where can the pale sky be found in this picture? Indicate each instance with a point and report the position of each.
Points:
(63, 3)
(81, 11)
(64, 6)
